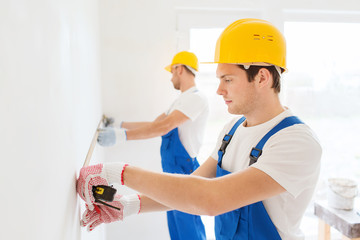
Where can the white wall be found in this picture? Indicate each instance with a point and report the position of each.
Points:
(50, 107)
(137, 42)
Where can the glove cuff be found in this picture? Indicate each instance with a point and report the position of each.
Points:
(132, 204)
(114, 172)
(120, 135)
(117, 123)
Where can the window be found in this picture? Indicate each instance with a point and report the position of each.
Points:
(202, 43)
(322, 87)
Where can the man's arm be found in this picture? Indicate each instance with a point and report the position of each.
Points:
(133, 125)
(207, 169)
(162, 125)
(200, 195)
(149, 205)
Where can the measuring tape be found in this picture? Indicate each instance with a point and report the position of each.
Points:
(106, 193)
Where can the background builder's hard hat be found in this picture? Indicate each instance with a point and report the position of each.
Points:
(185, 58)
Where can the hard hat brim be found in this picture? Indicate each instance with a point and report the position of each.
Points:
(168, 68)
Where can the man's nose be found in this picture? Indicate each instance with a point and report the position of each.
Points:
(220, 90)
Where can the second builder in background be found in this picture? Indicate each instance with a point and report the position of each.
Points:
(182, 129)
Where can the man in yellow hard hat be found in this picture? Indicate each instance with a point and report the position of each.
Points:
(263, 171)
(182, 129)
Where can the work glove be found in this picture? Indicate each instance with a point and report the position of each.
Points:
(128, 205)
(100, 174)
(108, 136)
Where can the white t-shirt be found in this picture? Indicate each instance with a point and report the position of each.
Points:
(195, 106)
(291, 157)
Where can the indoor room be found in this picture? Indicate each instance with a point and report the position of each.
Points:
(74, 71)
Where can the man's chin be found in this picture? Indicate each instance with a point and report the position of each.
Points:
(234, 111)
(231, 111)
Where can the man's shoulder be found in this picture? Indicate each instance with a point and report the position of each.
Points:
(194, 94)
(299, 136)
(194, 99)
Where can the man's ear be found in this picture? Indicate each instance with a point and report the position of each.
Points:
(181, 69)
(264, 77)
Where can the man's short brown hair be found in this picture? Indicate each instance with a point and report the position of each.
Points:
(254, 70)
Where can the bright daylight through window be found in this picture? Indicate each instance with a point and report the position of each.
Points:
(322, 87)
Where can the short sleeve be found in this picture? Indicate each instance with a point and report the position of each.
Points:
(192, 105)
(292, 159)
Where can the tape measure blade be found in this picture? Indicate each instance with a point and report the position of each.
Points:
(92, 144)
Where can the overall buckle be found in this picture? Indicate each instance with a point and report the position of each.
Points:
(225, 143)
(254, 156)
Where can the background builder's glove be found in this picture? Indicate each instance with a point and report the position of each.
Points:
(102, 214)
(109, 136)
(100, 174)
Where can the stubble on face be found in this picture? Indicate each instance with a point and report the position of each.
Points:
(175, 78)
(239, 94)
(176, 83)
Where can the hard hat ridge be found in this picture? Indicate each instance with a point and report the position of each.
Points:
(251, 42)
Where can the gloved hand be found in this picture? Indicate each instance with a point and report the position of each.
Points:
(129, 205)
(109, 136)
(100, 174)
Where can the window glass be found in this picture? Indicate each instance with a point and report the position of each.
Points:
(322, 87)
(202, 43)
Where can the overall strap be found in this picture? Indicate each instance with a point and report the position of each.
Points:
(257, 150)
(227, 138)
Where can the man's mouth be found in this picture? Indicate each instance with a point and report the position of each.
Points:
(227, 101)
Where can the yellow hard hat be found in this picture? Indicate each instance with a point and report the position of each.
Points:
(251, 42)
(185, 58)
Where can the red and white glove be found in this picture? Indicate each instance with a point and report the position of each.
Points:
(100, 174)
(128, 205)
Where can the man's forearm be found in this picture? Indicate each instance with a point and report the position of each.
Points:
(149, 205)
(176, 191)
(132, 125)
(161, 126)
(146, 131)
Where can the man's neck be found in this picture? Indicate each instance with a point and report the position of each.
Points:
(267, 112)
(186, 85)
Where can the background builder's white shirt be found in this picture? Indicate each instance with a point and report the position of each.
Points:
(194, 105)
(291, 157)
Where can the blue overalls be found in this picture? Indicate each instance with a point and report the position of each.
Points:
(175, 159)
(251, 222)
